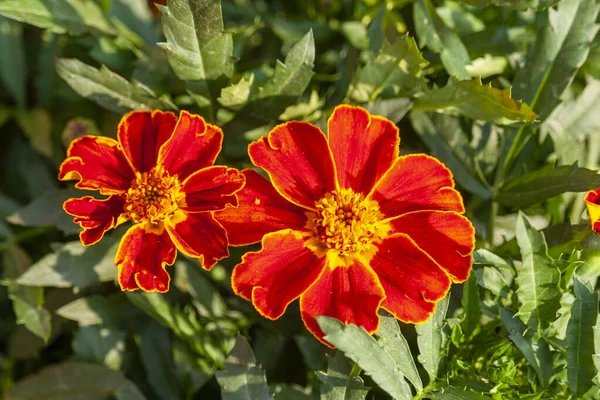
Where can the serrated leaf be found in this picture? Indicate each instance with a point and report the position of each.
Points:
(103, 345)
(471, 304)
(562, 45)
(475, 100)
(440, 148)
(13, 69)
(549, 181)
(74, 265)
(580, 339)
(393, 342)
(337, 383)
(432, 340)
(396, 70)
(453, 393)
(359, 346)
(437, 36)
(536, 352)
(74, 381)
(242, 379)
(108, 89)
(59, 16)
(538, 278)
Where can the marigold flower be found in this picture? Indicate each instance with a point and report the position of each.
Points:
(592, 202)
(347, 225)
(160, 176)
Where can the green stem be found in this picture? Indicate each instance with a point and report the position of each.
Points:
(492, 222)
(355, 372)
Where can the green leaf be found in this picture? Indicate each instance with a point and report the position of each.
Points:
(396, 70)
(433, 33)
(440, 148)
(337, 384)
(596, 356)
(94, 310)
(580, 339)
(236, 96)
(518, 4)
(74, 381)
(47, 210)
(59, 16)
(108, 89)
(369, 354)
(209, 302)
(197, 48)
(536, 352)
(103, 345)
(13, 69)
(356, 33)
(562, 45)
(452, 393)
(549, 181)
(392, 109)
(74, 265)
(242, 379)
(432, 340)
(137, 16)
(475, 100)
(393, 342)
(36, 123)
(471, 304)
(538, 278)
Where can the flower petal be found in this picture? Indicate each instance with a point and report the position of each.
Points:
(298, 160)
(261, 210)
(142, 133)
(95, 216)
(277, 274)
(592, 202)
(212, 188)
(142, 257)
(448, 238)
(199, 235)
(412, 281)
(417, 182)
(193, 145)
(364, 147)
(349, 293)
(98, 163)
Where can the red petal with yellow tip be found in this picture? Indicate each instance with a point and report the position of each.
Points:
(277, 274)
(417, 182)
(97, 163)
(142, 133)
(95, 216)
(592, 202)
(212, 188)
(193, 145)
(199, 235)
(412, 280)
(364, 147)
(297, 158)
(350, 293)
(143, 254)
(261, 210)
(448, 238)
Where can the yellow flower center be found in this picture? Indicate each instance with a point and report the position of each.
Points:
(153, 196)
(347, 223)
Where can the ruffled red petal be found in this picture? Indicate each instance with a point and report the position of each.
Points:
(364, 147)
(98, 163)
(211, 189)
(199, 235)
(193, 145)
(142, 133)
(95, 216)
(143, 254)
(261, 210)
(592, 202)
(448, 238)
(412, 281)
(350, 293)
(297, 158)
(277, 274)
(417, 182)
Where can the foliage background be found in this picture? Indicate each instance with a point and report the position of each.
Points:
(523, 326)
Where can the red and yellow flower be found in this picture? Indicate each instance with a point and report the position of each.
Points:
(160, 176)
(592, 202)
(347, 225)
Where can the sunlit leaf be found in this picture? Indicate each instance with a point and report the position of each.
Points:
(337, 384)
(94, 310)
(100, 344)
(432, 340)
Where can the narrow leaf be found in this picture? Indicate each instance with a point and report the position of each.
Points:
(538, 278)
(580, 339)
(358, 345)
(13, 69)
(471, 304)
(432, 340)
